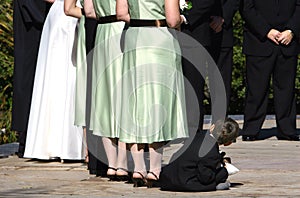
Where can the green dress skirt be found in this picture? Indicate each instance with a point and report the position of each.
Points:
(153, 99)
(106, 72)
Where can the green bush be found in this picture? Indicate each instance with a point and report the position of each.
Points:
(6, 71)
(298, 86)
(238, 84)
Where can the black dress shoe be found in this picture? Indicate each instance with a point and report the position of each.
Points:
(20, 154)
(249, 138)
(289, 137)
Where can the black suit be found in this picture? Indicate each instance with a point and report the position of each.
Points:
(229, 7)
(225, 47)
(28, 18)
(196, 169)
(265, 59)
(198, 27)
(198, 20)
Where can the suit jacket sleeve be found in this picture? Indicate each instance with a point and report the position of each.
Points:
(207, 166)
(229, 9)
(254, 20)
(200, 10)
(33, 11)
(217, 9)
(294, 22)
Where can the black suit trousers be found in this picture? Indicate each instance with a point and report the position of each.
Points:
(197, 81)
(225, 64)
(259, 71)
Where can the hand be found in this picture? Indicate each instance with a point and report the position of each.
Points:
(50, 1)
(273, 35)
(181, 22)
(216, 23)
(285, 37)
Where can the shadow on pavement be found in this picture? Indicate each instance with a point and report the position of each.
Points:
(26, 191)
(268, 133)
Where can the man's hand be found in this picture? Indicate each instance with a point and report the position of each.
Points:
(216, 23)
(285, 37)
(273, 35)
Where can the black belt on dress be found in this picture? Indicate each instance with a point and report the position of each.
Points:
(107, 19)
(145, 22)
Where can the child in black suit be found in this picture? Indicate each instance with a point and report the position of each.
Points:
(198, 168)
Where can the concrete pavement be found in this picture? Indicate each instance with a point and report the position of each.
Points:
(268, 168)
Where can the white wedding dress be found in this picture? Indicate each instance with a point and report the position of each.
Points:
(51, 132)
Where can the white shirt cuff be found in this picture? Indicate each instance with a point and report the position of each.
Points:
(184, 19)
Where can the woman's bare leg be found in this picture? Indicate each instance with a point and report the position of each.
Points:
(155, 150)
(137, 152)
(122, 159)
(111, 153)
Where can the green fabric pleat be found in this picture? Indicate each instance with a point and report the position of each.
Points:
(81, 76)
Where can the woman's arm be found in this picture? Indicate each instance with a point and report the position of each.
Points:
(173, 17)
(50, 1)
(122, 11)
(71, 9)
(89, 9)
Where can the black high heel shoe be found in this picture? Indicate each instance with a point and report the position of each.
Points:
(111, 177)
(122, 177)
(152, 182)
(139, 182)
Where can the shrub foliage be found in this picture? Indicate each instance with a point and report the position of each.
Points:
(6, 70)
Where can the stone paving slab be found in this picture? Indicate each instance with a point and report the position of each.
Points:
(268, 168)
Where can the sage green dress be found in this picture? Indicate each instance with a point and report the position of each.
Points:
(153, 99)
(106, 72)
(81, 75)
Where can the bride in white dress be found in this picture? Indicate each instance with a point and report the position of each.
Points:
(51, 132)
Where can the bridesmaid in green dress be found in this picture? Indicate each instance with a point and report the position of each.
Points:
(71, 8)
(104, 77)
(106, 72)
(96, 163)
(154, 109)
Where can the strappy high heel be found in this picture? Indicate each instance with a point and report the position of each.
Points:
(122, 177)
(111, 173)
(140, 181)
(152, 182)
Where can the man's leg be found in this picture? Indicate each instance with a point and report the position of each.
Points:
(284, 94)
(258, 74)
